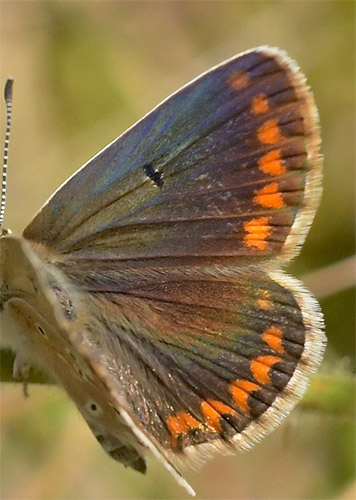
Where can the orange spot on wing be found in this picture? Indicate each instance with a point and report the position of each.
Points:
(221, 407)
(240, 390)
(212, 411)
(269, 132)
(272, 163)
(259, 104)
(261, 366)
(247, 386)
(269, 196)
(240, 398)
(273, 337)
(181, 424)
(264, 304)
(257, 231)
(238, 80)
(211, 416)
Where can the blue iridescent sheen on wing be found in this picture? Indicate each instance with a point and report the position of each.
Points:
(190, 177)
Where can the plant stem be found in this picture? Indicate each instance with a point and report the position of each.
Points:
(333, 394)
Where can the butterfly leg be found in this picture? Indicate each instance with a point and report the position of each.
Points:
(21, 368)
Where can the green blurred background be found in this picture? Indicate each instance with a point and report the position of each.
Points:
(84, 72)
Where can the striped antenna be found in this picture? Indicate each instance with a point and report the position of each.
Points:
(8, 100)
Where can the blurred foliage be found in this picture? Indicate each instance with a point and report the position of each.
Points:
(84, 72)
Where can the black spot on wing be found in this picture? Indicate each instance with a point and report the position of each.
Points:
(154, 175)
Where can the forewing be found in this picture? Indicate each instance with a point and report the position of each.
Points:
(205, 360)
(224, 171)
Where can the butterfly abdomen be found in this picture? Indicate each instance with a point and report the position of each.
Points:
(127, 455)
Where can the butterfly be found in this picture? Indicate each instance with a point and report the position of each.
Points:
(150, 284)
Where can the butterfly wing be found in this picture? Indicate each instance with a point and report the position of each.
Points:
(173, 235)
(205, 362)
(224, 171)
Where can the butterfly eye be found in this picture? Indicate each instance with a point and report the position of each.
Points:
(41, 330)
(94, 408)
